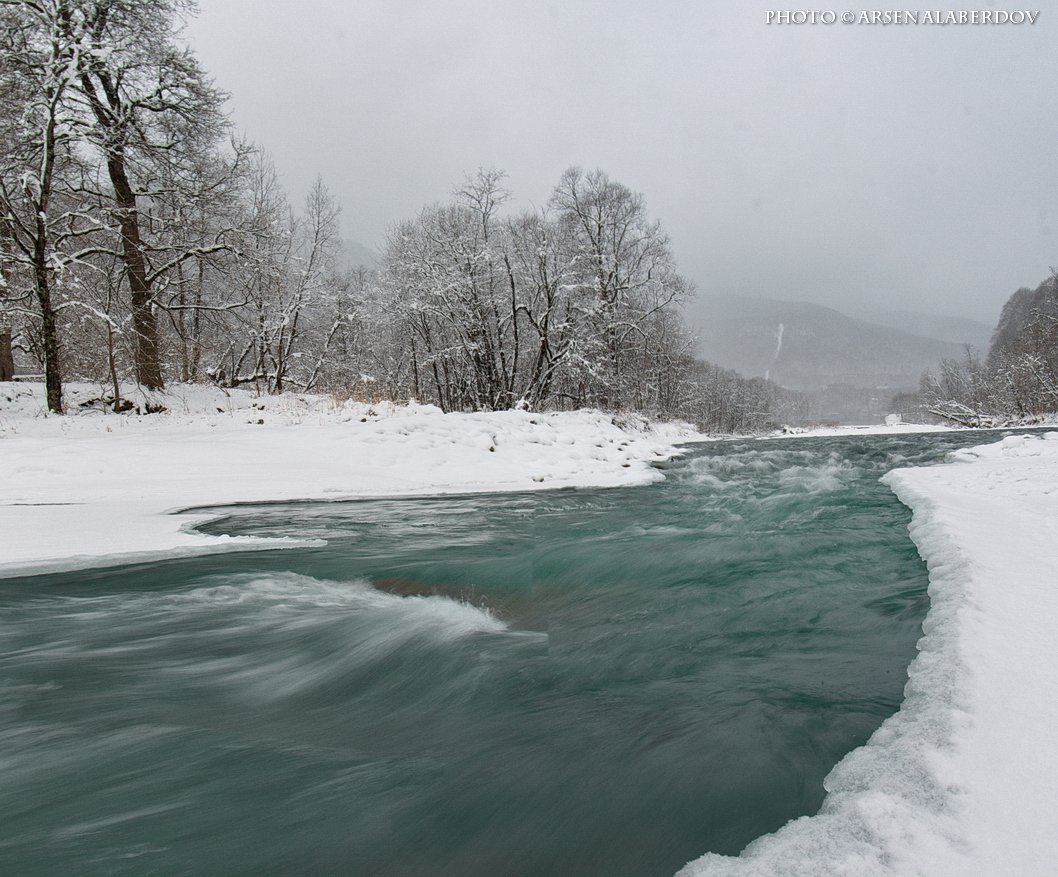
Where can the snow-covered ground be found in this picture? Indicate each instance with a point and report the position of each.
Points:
(963, 780)
(899, 426)
(99, 488)
(865, 429)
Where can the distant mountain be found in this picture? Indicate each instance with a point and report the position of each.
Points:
(809, 347)
(355, 254)
(958, 330)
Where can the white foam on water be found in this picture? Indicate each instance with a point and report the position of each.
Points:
(826, 478)
(322, 631)
(293, 593)
(269, 635)
(288, 594)
(730, 471)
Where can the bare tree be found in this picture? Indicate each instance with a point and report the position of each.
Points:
(37, 224)
(291, 283)
(575, 305)
(628, 275)
(541, 274)
(147, 104)
(962, 392)
(198, 211)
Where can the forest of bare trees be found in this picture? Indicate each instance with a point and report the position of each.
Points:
(1017, 381)
(141, 239)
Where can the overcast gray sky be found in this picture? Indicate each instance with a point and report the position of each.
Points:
(855, 166)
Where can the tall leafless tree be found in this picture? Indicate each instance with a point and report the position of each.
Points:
(148, 104)
(36, 131)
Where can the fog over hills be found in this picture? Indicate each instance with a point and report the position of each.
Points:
(356, 254)
(944, 327)
(809, 347)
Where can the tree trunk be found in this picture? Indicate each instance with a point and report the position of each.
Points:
(49, 330)
(7, 361)
(144, 324)
(50, 339)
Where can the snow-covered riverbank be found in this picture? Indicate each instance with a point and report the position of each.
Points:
(98, 488)
(964, 778)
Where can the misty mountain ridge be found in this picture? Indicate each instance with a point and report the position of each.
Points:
(357, 255)
(808, 347)
(943, 327)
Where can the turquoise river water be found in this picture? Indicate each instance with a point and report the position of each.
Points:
(589, 682)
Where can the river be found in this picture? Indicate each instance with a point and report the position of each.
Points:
(572, 682)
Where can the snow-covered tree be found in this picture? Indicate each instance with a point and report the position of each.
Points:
(1019, 379)
(42, 223)
(291, 286)
(627, 276)
(149, 110)
(570, 306)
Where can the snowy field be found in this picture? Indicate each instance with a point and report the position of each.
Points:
(962, 780)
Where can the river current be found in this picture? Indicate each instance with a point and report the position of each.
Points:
(574, 682)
